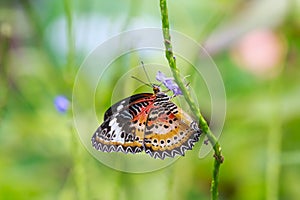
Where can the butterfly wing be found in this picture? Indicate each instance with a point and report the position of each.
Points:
(124, 125)
(146, 122)
(169, 131)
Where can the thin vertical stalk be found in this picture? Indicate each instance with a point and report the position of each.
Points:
(273, 165)
(77, 151)
(202, 123)
(70, 65)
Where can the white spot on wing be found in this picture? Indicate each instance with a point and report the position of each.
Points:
(117, 128)
(120, 107)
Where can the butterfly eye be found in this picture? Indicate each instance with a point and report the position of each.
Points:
(156, 89)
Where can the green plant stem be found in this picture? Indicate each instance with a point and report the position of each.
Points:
(34, 21)
(273, 166)
(5, 42)
(202, 123)
(79, 173)
(69, 72)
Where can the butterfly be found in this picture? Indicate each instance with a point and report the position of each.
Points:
(148, 122)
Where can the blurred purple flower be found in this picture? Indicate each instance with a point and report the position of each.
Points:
(61, 103)
(169, 83)
(160, 76)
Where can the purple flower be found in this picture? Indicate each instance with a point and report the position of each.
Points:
(160, 76)
(61, 103)
(169, 83)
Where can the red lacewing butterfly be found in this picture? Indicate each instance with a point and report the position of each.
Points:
(147, 122)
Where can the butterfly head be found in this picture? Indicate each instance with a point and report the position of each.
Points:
(156, 88)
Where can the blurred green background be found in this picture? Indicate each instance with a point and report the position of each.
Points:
(256, 46)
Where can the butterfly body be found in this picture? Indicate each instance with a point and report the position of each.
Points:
(147, 122)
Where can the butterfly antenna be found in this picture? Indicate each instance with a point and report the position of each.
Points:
(141, 81)
(146, 74)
